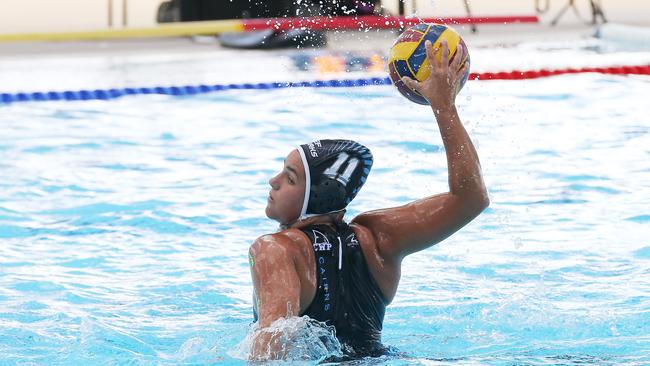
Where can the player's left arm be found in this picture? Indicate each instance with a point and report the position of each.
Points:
(277, 292)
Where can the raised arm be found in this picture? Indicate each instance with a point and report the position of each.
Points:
(403, 230)
(277, 292)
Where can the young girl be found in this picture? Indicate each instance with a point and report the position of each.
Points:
(345, 274)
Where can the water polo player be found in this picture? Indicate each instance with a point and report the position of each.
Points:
(345, 274)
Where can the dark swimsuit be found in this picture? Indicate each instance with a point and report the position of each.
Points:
(347, 295)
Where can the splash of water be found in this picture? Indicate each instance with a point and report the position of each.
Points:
(299, 339)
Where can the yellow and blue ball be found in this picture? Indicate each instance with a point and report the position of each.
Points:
(408, 56)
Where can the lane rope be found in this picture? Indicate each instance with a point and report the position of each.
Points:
(113, 93)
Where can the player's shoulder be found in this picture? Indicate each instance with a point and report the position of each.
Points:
(372, 229)
(368, 223)
(280, 243)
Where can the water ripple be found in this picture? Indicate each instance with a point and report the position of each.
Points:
(124, 233)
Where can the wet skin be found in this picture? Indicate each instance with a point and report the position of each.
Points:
(284, 270)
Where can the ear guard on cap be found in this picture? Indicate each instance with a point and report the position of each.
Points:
(327, 196)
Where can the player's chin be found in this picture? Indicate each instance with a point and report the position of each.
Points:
(269, 212)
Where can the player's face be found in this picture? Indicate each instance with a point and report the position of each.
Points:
(287, 190)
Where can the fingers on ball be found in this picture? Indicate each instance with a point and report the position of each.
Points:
(445, 52)
(462, 69)
(455, 60)
(429, 50)
(412, 84)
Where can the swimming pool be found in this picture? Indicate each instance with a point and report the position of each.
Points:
(124, 224)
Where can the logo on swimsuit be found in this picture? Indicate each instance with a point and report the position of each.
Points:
(321, 243)
(351, 240)
(327, 296)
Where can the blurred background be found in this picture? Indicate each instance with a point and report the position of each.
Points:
(77, 15)
(135, 153)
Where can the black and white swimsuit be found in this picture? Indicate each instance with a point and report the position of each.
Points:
(347, 296)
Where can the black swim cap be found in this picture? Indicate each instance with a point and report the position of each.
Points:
(335, 171)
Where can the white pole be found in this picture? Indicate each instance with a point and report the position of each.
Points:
(110, 13)
(125, 14)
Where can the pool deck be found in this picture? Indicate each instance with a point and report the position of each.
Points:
(120, 63)
(487, 35)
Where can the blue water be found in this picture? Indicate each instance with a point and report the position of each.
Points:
(124, 225)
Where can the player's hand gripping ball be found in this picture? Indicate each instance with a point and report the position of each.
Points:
(408, 56)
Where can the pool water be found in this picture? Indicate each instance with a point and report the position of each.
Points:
(124, 225)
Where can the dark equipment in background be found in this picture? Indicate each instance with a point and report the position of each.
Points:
(195, 10)
(198, 10)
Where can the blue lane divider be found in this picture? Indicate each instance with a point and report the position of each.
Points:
(106, 94)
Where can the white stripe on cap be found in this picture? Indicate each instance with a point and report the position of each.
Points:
(305, 202)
